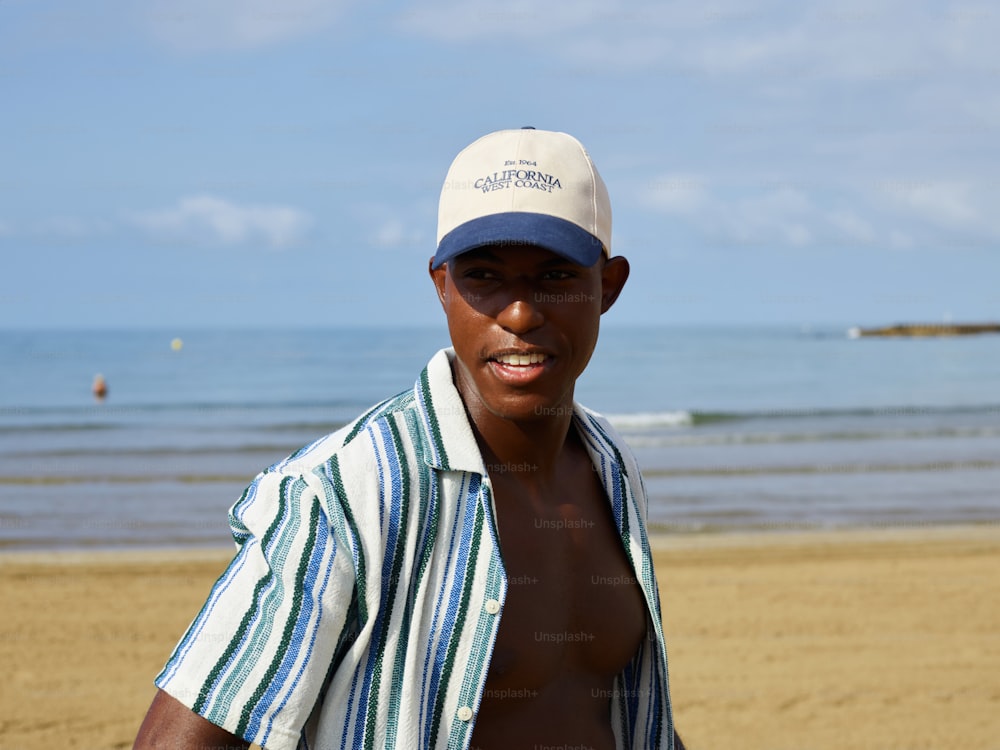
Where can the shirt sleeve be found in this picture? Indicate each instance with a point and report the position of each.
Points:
(255, 658)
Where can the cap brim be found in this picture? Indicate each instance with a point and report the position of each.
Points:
(518, 229)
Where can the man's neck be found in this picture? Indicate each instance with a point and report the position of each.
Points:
(532, 451)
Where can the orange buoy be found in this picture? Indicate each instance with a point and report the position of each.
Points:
(99, 388)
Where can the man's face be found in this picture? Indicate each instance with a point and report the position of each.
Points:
(524, 323)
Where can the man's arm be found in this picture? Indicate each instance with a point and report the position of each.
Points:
(170, 725)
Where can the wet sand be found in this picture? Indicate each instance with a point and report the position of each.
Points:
(848, 639)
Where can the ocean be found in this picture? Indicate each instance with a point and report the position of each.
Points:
(736, 428)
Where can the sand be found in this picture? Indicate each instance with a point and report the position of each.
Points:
(864, 639)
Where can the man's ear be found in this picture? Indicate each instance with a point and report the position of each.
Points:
(439, 276)
(613, 278)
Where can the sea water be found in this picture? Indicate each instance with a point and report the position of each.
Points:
(735, 428)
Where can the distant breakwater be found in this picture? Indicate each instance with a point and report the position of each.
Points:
(926, 329)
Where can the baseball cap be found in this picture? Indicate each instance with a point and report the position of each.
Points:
(524, 187)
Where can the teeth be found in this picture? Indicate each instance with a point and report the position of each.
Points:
(520, 360)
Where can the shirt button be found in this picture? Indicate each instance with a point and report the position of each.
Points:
(464, 713)
(492, 606)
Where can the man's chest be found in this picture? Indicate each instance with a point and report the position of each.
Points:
(573, 603)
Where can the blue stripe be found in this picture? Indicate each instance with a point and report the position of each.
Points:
(204, 616)
(375, 654)
(424, 684)
(298, 634)
(381, 476)
(265, 605)
(351, 713)
(455, 594)
(221, 586)
(444, 627)
(654, 715)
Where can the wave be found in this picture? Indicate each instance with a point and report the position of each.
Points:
(771, 438)
(21, 429)
(259, 428)
(695, 418)
(97, 413)
(105, 478)
(267, 449)
(103, 410)
(648, 420)
(839, 468)
(635, 439)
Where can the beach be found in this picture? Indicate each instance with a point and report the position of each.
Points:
(877, 638)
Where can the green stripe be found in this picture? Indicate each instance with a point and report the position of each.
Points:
(260, 635)
(241, 631)
(240, 537)
(432, 420)
(463, 610)
(399, 554)
(398, 685)
(342, 547)
(361, 422)
(361, 583)
(479, 655)
(415, 431)
(397, 403)
(298, 594)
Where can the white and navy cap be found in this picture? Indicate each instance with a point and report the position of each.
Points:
(524, 187)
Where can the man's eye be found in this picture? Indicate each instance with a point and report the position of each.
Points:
(558, 275)
(481, 274)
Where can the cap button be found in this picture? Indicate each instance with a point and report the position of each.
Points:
(527, 127)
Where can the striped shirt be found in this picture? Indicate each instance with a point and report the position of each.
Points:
(365, 596)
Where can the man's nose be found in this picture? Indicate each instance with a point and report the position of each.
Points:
(521, 314)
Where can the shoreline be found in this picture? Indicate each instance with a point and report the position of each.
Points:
(660, 539)
(795, 536)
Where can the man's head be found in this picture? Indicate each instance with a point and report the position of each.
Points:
(523, 270)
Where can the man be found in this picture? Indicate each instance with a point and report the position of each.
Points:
(466, 564)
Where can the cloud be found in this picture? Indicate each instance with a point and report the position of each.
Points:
(853, 226)
(210, 220)
(850, 40)
(393, 233)
(677, 194)
(768, 214)
(466, 21)
(71, 227)
(207, 25)
(778, 215)
(944, 202)
(57, 228)
(951, 212)
(884, 214)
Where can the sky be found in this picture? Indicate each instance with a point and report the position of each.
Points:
(189, 164)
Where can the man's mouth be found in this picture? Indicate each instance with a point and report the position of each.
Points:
(519, 368)
(520, 360)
